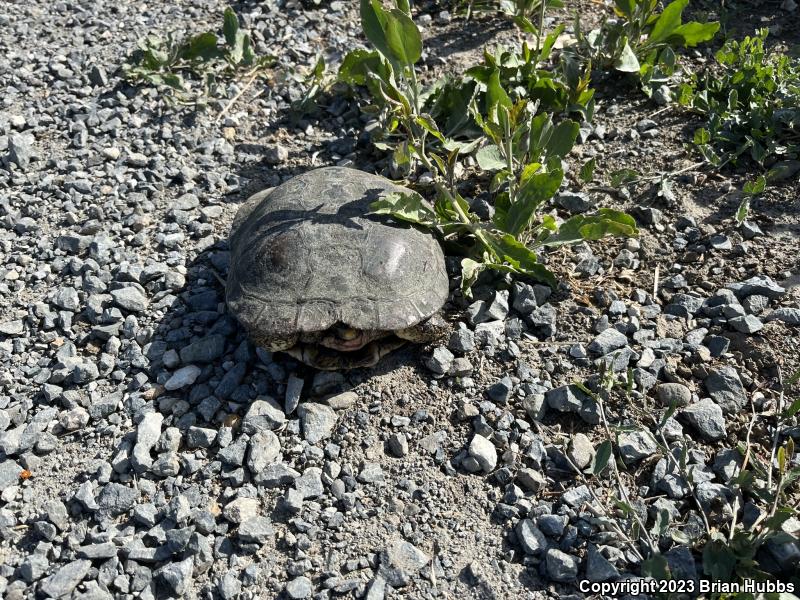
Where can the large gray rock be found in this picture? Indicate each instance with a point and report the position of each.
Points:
(147, 434)
(400, 561)
(707, 418)
(177, 576)
(116, 499)
(726, 389)
(61, 583)
(608, 341)
(532, 540)
(318, 421)
(561, 566)
(264, 414)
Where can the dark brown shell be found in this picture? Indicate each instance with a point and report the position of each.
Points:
(307, 255)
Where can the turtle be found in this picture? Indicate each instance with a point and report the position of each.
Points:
(315, 275)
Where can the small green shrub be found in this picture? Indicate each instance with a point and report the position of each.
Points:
(172, 64)
(751, 104)
(521, 149)
(642, 41)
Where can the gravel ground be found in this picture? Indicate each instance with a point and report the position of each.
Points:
(147, 449)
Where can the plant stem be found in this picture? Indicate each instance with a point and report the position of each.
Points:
(599, 509)
(543, 6)
(620, 485)
(238, 95)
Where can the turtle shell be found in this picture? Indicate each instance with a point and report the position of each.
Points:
(307, 255)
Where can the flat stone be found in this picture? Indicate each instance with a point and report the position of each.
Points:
(561, 566)
(400, 561)
(257, 530)
(116, 499)
(371, 472)
(707, 418)
(65, 579)
(130, 299)
(567, 398)
(274, 475)
(636, 445)
(264, 414)
(761, 285)
(183, 377)
(726, 389)
(790, 316)
(747, 324)
(532, 540)
(206, 350)
(608, 341)
(299, 588)
(318, 421)
(200, 437)
(241, 509)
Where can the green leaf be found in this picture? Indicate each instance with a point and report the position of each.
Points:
(536, 190)
(403, 38)
(357, 64)
(520, 258)
(623, 177)
(667, 22)
(702, 136)
(586, 173)
(694, 33)
(743, 210)
(202, 46)
(495, 94)
(410, 207)
(626, 7)
(605, 222)
(627, 61)
(601, 457)
(792, 410)
(428, 124)
(490, 159)
(230, 26)
(470, 270)
(656, 567)
(563, 139)
(373, 22)
(756, 187)
(719, 561)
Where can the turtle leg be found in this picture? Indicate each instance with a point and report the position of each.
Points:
(278, 344)
(326, 359)
(429, 330)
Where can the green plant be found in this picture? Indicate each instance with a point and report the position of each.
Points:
(765, 477)
(563, 89)
(751, 104)
(766, 481)
(750, 190)
(641, 40)
(172, 64)
(524, 152)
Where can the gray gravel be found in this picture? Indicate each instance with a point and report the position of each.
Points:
(149, 449)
